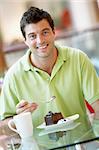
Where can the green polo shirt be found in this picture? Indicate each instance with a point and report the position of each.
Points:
(72, 80)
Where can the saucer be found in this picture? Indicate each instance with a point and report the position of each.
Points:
(62, 125)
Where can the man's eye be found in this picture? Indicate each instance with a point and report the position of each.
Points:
(45, 32)
(32, 37)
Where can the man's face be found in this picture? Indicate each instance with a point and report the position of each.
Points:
(40, 38)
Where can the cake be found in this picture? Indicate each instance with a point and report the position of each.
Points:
(53, 118)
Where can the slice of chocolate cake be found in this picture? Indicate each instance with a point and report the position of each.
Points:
(53, 118)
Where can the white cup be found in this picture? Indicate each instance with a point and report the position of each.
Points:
(23, 124)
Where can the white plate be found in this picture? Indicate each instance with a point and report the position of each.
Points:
(71, 126)
(61, 123)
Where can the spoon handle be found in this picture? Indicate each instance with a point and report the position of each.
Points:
(51, 99)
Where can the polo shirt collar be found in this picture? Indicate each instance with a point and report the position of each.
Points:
(26, 61)
(63, 56)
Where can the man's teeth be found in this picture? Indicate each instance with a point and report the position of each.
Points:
(42, 46)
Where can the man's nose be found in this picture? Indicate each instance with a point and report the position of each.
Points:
(40, 39)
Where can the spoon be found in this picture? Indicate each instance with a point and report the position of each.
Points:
(51, 99)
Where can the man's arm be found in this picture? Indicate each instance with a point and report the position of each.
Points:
(95, 106)
(4, 129)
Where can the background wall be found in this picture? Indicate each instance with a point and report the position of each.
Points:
(12, 10)
(69, 16)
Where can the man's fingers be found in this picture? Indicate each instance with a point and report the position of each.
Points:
(20, 110)
(30, 107)
(21, 104)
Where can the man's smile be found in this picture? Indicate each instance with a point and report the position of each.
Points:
(42, 48)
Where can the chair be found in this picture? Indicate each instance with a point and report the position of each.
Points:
(89, 107)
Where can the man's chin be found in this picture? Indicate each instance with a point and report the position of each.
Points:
(43, 55)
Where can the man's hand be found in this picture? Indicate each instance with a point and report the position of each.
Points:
(25, 106)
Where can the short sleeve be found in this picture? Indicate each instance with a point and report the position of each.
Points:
(8, 98)
(90, 81)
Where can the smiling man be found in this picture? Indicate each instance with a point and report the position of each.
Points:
(40, 39)
(48, 70)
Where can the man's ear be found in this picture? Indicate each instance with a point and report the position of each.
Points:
(26, 42)
(54, 31)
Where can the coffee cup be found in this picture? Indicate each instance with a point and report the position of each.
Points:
(23, 124)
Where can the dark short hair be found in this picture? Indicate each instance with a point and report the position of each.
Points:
(34, 15)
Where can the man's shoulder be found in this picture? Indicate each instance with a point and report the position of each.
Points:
(71, 51)
(17, 68)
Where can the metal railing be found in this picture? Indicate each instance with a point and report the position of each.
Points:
(86, 40)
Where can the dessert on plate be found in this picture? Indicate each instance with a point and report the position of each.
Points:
(53, 118)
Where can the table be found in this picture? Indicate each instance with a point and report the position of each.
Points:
(74, 139)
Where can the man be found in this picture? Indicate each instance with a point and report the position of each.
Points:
(47, 70)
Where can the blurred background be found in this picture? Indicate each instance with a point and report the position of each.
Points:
(76, 25)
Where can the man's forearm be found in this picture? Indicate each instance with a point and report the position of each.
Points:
(4, 126)
(95, 106)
